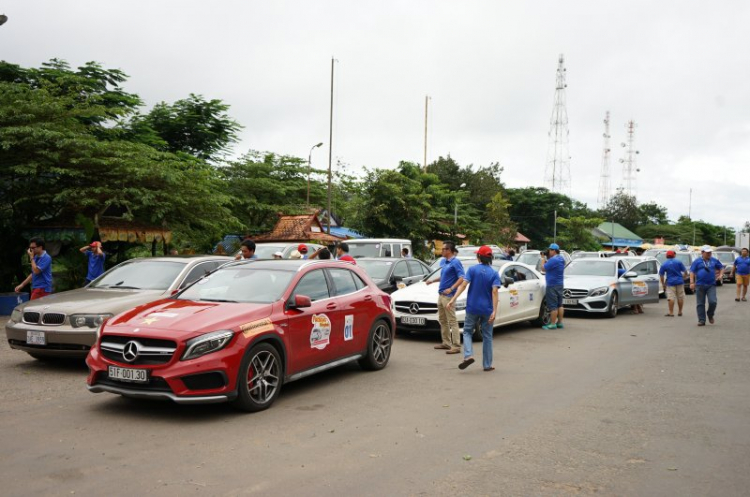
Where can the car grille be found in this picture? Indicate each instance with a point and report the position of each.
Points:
(424, 307)
(571, 293)
(48, 318)
(151, 351)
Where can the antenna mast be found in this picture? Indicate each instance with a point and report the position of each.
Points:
(557, 170)
(629, 166)
(604, 185)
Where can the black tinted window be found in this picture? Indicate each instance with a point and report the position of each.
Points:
(416, 268)
(527, 274)
(313, 285)
(197, 272)
(343, 281)
(401, 271)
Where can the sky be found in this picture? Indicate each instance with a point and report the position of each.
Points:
(677, 68)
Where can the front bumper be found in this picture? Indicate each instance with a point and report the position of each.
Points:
(431, 325)
(60, 341)
(591, 304)
(183, 382)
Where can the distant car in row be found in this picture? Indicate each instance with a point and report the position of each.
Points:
(391, 274)
(533, 258)
(521, 298)
(684, 256)
(64, 324)
(727, 259)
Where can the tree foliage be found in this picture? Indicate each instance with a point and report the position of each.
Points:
(575, 233)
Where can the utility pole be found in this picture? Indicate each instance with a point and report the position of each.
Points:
(426, 101)
(330, 151)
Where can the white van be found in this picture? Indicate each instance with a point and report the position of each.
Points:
(378, 247)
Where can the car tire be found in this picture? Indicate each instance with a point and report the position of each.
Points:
(613, 306)
(379, 342)
(545, 316)
(259, 379)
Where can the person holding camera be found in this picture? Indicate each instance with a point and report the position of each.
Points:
(96, 256)
(41, 270)
(554, 269)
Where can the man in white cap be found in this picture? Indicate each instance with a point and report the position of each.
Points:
(703, 275)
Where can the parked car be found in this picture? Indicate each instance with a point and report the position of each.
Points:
(727, 259)
(243, 332)
(520, 299)
(266, 250)
(593, 285)
(471, 250)
(391, 274)
(378, 247)
(64, 324)
(588, 255)
(533, 258)
(647, 269)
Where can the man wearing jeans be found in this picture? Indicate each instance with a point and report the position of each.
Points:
(451, 276)
(703, 275)
(553, 274)
(481, 306)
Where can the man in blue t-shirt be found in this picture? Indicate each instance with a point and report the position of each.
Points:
(703, 275)
(451, 276)
(96, 257)
(741, 274)
(481, 306)
(41, 270)
(553, 275)
(674, 270)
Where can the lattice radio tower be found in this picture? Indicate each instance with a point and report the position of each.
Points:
(604, 184)
(557, 170)
(629, 166)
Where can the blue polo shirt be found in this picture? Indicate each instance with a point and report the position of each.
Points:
(742, 265)
(479, 299)
(554, 269)
(452, 271)
(705, 271)
(44, 278)
(673, 268)
(96, 265)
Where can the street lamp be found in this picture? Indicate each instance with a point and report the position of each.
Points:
(554, 235)
(309, 157)
(455, 207)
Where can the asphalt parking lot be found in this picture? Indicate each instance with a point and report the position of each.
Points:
(637, 405)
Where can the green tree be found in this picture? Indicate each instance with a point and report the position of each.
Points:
(623, 209)
(501, 229)
(652, 213)
(574, 233)
(533, 210)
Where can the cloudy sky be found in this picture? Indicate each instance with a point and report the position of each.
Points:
(677, 68)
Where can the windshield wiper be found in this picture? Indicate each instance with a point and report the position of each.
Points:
(218, 300)
(119, 285)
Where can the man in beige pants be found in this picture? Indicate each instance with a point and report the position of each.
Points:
(451, 277)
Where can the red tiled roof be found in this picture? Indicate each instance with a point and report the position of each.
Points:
(521, 239)
(304, 227)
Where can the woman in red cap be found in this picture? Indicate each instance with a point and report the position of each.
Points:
(674, 270)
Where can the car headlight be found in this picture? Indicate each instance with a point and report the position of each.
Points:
(598, 292)
(205, 344)
(460, 305)
(15, 316)
(88, 320)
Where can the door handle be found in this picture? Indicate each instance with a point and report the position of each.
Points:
(332, 305)
(368, 298)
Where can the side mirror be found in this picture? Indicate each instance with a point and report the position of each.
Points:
(630, 274)
(299, 302)
(507, 281)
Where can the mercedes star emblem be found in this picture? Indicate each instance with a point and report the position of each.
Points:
(566, 293)
(130, 352)
(414, 308)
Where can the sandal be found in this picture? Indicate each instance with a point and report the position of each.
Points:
(489, 369)
(467, 362)
(669, 315)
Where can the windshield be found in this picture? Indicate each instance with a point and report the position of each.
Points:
(141, 275)
(377, 270)
(590, 267)
(530, 259)
(725, 257)
(240, 284)
(584, 255)
(267, 251)
(364, 249)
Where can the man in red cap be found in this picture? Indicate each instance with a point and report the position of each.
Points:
(674, 270)
(481, 306)
(96, 256)
(302, 249)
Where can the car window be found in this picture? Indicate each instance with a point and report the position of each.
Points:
(415, 268)
(385, 250)
(197, 272)
(376, 269)
(511, 273)
(343, 281)
(364, 249)
(359, 282)
(527, 274)
(642, 269)
(401, 271)
(313, 285)
(142, 275)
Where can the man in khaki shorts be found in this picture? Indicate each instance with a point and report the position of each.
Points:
(674, 270)
(741, 273)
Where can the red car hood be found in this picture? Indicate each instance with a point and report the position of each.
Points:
(170, 318)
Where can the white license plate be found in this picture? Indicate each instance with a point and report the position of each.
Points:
(35, 338)
(127, 374)
(570, 301)
(413, 320)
